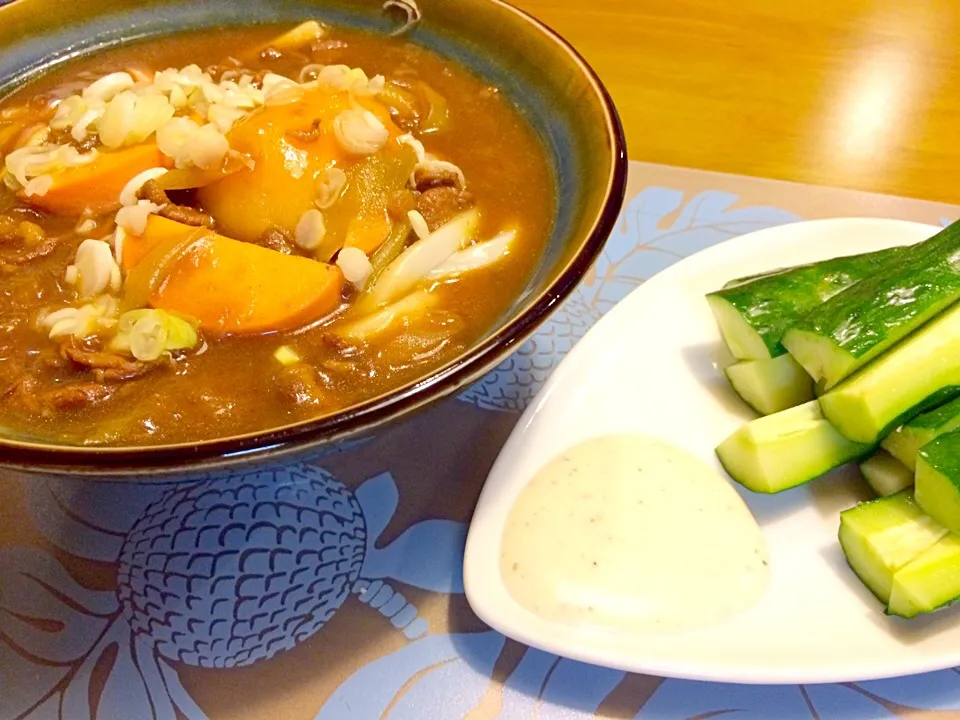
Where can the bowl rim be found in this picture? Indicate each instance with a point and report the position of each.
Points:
(39, 457)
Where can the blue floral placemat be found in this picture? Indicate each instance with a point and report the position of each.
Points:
(336, 591)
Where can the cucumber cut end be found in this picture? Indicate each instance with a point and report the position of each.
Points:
(851, 414)
(928, 582)
(881, 536)
(938, 493)
(769, 386)
(903, 444)
(885, 474)
(741, 339)
(781, 451)
(819, 356)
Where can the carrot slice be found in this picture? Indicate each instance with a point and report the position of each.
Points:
(159, 230)
(97, 185)
(232, 287)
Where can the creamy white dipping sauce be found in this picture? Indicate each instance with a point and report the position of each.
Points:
(628, 532)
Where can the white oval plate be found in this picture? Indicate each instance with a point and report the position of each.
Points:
(652, 365)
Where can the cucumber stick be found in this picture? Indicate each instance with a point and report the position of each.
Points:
(921, 372)
(904, 442)
(881, 536)
(885, 474)
(938, 479)
(754, 312)
(855, 326)
(771, 385)
(929, 581)
(781, 451)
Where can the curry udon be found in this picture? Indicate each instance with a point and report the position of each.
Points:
(221, 233)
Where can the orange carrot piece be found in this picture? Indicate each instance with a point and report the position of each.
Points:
(97, 185)
(368, 232)
(233, 287)
(159, 230)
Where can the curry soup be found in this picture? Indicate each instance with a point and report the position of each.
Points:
(227, 232)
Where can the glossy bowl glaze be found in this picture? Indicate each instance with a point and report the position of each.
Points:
(555, 90)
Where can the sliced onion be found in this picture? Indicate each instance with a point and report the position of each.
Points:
(417, 146)
(370, 326)
(95, 267)
(355, 265)
(83, 321)
(148, 338)
(433, 166)
(418, 223)
(421, 258)
(118, 119)
(38, 186)
(128, 196)
(311, 229)
(338, 77)
(285, 96)
(150, 113)
(208, 147)
(359, 132)
(475, 257)
(108, 87)
(69, 112)
(29, 162)
(224, 116)
(190, 144)
(133, 218)
(173, 139)
(330, 185)
(79, 130)
(119, 238)
(148, 333)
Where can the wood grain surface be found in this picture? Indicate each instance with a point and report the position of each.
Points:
(853, 93)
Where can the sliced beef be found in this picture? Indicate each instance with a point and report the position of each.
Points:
(179, 213)
(400, 203)
(234, 71)
(77, 395)
(32, 396)
(27, 255)
(440, 204)
(278, 239)
(22, 241)
(427, 179)
(312, 134)
(107, 367)
(64, 137)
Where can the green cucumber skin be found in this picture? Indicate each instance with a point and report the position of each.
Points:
(938, 398)
(943, 455)
(921, 430)
(773, 301)
(870, 316)
(939, 420)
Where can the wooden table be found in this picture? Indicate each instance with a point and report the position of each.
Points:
(853, 93)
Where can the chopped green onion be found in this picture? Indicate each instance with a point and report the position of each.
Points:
(147, 333)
